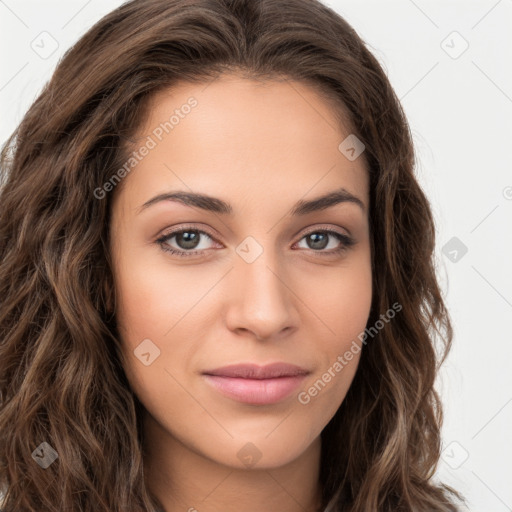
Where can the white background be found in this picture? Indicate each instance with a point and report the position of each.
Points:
(459, 108)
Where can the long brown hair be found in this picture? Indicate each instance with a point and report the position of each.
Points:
(61, 381)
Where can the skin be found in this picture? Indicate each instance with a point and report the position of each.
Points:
(261, 146)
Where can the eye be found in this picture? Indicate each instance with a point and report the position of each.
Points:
(322, 239)
(189, 241)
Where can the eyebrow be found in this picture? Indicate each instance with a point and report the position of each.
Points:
(216, 205)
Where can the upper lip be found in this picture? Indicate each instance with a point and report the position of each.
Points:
(254, 371)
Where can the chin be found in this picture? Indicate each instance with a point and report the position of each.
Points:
(261, 452)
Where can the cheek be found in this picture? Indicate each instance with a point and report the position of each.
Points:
(169, 307)
(152, 304)
(153, 297)
(338, 356)
(350, 314)
(341, 303)
(341, 299)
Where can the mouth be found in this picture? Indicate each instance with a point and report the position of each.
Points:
(256, 385)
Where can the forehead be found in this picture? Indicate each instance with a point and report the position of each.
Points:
(244, 137)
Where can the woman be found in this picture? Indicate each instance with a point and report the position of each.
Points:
(217, 284)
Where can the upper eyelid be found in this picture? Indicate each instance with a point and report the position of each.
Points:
(173, 232)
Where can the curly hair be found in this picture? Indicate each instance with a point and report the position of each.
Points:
(61, 380)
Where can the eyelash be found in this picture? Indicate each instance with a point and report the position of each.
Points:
(346, 242)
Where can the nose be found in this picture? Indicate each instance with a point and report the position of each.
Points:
(261, 301)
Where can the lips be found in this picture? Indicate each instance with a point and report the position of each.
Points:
(257, 385)
(253, 371)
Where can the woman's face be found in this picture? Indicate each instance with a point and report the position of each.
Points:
(263, 277)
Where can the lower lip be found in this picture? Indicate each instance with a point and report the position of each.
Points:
(256, 391)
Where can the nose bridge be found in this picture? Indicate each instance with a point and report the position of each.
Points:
(261, 301)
